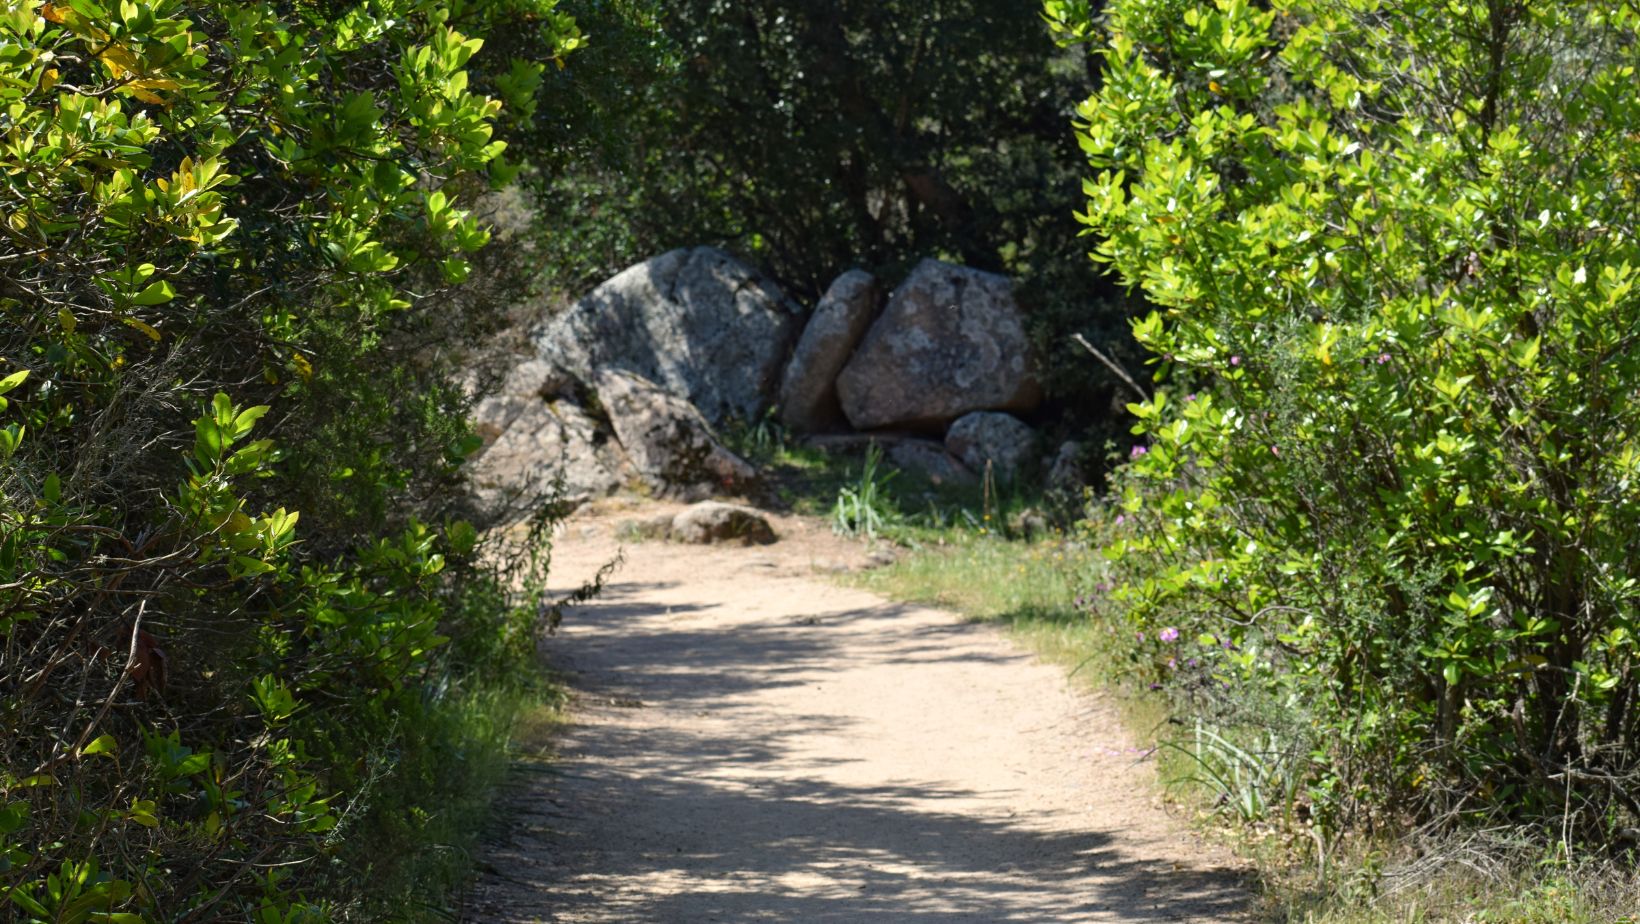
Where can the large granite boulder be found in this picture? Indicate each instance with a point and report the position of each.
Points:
(698, 322)
(1003, 440)
(669, 443)
(520, 468)
(526, 386)
(950, 340)
(536, 378)
(808, 393)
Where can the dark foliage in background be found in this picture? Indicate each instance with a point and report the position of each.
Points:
(817, 137)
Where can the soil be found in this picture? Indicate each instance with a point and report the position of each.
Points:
(750, 741)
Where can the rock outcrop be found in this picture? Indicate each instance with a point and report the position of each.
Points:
(540, 442)
(528, 384)
(1003, 440)
(668, 442)
(715, 522)
(697, 322)
(808, 393)
(950, 340)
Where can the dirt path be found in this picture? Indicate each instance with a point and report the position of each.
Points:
(752, 743)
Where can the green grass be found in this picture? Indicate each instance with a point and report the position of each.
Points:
(1447, 891)
(983, 576)
(466, 750)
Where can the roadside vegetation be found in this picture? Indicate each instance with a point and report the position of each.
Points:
(254, 662)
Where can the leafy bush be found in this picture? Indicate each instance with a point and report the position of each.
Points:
(238, 607)
(1389, 487)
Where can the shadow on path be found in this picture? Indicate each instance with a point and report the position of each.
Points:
(800, 753)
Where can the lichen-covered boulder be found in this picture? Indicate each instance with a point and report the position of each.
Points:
(526, 386)
(697, 322)
(540, 443)
(1004, 441)
(668, 442)
(950, 340)
(717, 522)
(808, 392)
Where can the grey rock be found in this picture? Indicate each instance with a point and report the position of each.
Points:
(808, 392)
(527, 385)
(881, 558)
(1065, 471)
(716, 522)
(495, 413)
(697, 322)
(518, 471)
(1003, 440)
(669, 443)
(536, 378)
(1029, 524)
(658, 526)
(950, 340)
(931, 460)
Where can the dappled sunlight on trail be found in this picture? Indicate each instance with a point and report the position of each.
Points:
(749, 743)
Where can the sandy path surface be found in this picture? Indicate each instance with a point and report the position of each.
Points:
(750, 742)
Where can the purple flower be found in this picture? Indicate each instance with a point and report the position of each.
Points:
(1168, 634)
(1120, 519)
(1383, 358)
(1141, 636)
(1137, 452)
(1192, 662)
(1275, 450)
(1235, 360)
(1172, 664)
(1190, 397)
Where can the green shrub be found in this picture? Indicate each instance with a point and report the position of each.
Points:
(238, 607)
(1388, 490)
